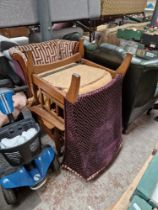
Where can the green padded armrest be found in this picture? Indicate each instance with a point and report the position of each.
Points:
(108, 51)
(156, 92)
(148, 184)
(138, 203)
(129, 34)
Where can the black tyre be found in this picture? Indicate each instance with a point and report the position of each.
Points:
(10, 196)
(56, 164)
(149, 111)
(156, 119)
(124, 131)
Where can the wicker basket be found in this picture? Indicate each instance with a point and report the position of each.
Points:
(117, 7)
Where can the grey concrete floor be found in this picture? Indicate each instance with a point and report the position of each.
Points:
(66, 191)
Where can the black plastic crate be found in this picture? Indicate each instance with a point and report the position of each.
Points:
(24, 153)
(150, 40)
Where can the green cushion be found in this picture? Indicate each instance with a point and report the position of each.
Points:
(129, 34)
(138, 203)
(74, 36)
(148, 182)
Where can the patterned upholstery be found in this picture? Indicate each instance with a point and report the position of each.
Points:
(67, 48)
(49, 51)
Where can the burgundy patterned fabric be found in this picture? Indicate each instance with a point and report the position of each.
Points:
(68, 48)
(93, 130)
(45, 52)
(49, 51)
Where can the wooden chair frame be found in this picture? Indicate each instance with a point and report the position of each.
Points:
(43, 92)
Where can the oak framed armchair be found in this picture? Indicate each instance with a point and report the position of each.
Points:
(51, 83)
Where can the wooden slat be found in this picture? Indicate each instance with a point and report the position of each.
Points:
(50, 90)
(49, 117)
(48, 125)
(14, 32)
(125, 64)
(44, 68)
(91, 63)
(122, 69)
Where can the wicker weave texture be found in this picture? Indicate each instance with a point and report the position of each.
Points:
(116, 7)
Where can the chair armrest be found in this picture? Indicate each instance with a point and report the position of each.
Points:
(122, 69)
(73, 91)
(23, 64)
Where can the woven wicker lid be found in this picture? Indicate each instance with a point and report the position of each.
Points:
(119, 7)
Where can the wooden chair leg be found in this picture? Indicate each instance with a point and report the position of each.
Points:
(59, 141)
(55, 135)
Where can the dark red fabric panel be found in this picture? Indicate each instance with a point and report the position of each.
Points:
(93, 130)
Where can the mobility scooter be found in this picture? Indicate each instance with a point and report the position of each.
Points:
(23, 164)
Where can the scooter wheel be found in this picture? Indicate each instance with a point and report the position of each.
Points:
(10, 196)
(56, 164)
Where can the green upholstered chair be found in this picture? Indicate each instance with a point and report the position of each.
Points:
(140, 83)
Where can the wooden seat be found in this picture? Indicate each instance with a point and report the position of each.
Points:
(92, 78)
